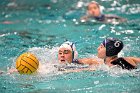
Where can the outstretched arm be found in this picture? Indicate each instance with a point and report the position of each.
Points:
(132, 60)
(12, 70)
(90, 61)
(135, 59)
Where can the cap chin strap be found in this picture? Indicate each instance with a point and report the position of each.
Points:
(105, 59)
(72, 51)
(71, 45)
(105, 56)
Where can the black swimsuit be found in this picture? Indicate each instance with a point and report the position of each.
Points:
(100, 18)
(123, 63)
(109, 18)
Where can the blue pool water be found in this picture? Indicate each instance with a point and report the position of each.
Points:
(41, 26)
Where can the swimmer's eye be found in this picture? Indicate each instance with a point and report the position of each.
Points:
(95, 7)
(101, 46)
(60, 53)
(90, 8)
(66, 51)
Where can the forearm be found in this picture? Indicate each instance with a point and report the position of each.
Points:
(12, 70)
(135, 59)
(84, 18)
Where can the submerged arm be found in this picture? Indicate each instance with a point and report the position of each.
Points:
(79, 70)
(110, 16)
(85, 18)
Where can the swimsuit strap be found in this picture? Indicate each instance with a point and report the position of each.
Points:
(123, 63)
(100, 18)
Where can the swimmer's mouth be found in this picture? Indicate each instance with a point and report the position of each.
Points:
(62, 60)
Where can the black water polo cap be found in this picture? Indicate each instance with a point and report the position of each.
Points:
(113, 46)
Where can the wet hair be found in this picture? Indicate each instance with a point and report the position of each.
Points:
(113, 46)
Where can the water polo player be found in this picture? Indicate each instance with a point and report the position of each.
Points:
(94, 11)
(109, 49)
(68, 53)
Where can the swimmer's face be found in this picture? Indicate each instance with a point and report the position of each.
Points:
(93, 9)
(101, 51)
(64, 55)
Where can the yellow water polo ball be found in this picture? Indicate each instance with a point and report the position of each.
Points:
(27, 63)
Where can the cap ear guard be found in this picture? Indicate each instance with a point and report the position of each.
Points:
(72, 51)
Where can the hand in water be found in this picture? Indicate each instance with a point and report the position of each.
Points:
(12, 70)
(1, 72)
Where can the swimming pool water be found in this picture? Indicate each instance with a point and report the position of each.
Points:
(41, 26)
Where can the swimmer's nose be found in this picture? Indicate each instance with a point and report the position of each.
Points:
(62, 55)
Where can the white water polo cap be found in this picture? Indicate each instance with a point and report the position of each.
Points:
(70, 46)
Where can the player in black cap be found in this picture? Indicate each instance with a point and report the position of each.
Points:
(109, 49)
